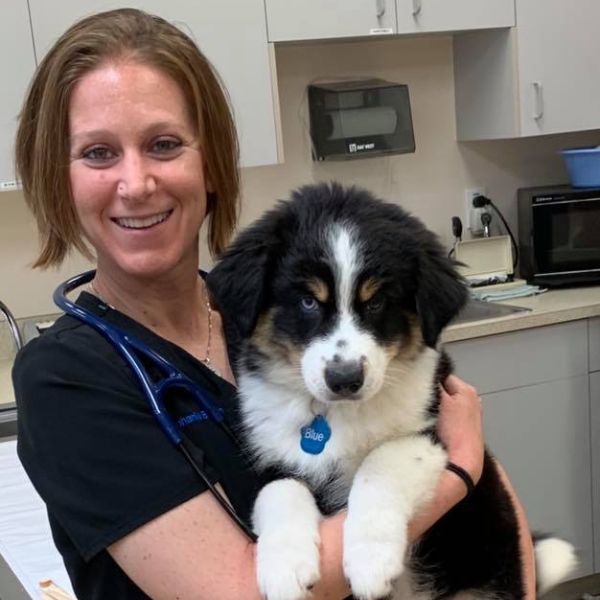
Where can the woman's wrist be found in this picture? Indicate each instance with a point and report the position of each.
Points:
(449, 491)
(463, 475)
(469, 460)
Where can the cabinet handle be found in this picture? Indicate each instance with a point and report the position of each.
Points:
(380, 8)
(417, 6)
(538, 100)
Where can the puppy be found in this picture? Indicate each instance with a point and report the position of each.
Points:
(340, 300)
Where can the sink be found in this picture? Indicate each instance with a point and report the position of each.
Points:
(478, 310)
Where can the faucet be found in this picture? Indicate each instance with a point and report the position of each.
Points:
(13, 325)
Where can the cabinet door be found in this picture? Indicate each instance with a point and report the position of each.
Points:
(541, 435)
(595, 429)
(594, 335)
(17, 65)
(440, 15)
(233, 38)
(559, 69)
(519, 358)
(320, 19)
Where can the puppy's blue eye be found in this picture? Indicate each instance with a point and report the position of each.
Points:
(309, 304)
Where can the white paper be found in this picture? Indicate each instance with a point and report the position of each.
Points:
(25, 539)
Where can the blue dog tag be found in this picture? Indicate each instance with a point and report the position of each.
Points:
(313, 437)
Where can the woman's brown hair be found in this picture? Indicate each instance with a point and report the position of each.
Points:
(42, 143)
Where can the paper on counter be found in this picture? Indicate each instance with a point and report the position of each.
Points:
(25, 538)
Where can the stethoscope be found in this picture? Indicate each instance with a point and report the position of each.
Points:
(131, 349)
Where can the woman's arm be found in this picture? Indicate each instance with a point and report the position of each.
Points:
(526, 541)
(196, 551)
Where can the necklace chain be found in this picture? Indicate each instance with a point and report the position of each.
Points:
(206, 360)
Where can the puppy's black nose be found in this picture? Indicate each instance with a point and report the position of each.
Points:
(344, 378)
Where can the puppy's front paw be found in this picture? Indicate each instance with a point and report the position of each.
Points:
(373, 555)
(287, 565)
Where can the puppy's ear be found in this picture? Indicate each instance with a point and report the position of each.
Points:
(441, 291)
(240, 279)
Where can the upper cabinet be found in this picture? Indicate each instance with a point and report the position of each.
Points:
(290, 20)
(541, 77)
(17, 63)
(321, 19)
(234, 40)
(428, 16)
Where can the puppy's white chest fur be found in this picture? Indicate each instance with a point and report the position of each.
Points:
(274, 413)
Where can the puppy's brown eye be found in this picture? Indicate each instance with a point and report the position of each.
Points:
(374, 305)
(309, 304)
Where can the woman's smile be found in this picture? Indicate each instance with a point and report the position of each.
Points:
(142, 223)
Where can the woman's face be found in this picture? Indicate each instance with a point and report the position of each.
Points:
(136, 170)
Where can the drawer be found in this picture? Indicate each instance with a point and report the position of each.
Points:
(516, 359)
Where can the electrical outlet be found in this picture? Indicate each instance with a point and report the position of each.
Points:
(472, 214)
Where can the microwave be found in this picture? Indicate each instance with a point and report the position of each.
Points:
(559, 235)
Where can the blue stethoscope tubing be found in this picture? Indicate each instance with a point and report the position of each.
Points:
(130, 349)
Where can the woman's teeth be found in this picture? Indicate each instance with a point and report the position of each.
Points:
(143, 223)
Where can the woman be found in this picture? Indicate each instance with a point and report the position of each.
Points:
(126, 146)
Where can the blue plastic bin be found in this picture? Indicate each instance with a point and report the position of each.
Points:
(583, 166)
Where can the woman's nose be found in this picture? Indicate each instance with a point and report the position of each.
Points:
(136, 180)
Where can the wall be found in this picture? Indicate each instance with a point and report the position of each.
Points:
(430, 182)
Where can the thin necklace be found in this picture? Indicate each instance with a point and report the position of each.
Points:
(206, 360)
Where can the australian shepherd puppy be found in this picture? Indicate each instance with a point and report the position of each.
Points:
(340, 300)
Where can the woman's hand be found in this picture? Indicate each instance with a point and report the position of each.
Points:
(460, 425)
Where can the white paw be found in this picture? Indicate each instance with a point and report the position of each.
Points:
(373, 558)
(287, 568)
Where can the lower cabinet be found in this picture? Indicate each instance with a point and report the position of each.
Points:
(541, 436)
(595, 439)
(542, 422)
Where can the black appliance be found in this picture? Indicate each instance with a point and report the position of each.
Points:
(355, 119)
(559, 235)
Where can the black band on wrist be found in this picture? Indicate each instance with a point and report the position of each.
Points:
(464, 476)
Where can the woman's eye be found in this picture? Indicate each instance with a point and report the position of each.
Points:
(165, 145)
(98, 154)
(309, 304)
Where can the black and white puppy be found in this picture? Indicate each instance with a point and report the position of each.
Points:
(340, 300)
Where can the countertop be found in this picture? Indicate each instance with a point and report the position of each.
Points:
(549, 308)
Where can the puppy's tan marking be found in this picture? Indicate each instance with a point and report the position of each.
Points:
(368, 289)
(271, 345)
(319, 289)
(411, 345)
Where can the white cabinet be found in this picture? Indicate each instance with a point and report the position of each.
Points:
(535, 388)
(234, 38)
(324, 19)
(542, 77)
(17, 65)
(421, 16)
(319, 19)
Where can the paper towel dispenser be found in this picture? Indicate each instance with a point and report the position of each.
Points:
(355, 119)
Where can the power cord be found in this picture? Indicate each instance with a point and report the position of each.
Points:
(481, 201)
(457, 229)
